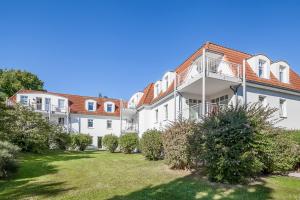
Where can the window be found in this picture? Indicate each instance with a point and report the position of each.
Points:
(157, 89)
(61, 103)
(90, 106)
(61, 121)
(100, 142)
(166, 112)
(90, 123)
(281, 73)
(282, 108)
(261, 68)
(24, 100)
(47, 104)
(156, 115)
(262, 100)
(109, 107)
(108, 124)
(167, 82)
(223, 100)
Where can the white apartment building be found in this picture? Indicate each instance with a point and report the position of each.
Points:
(215, 76)
(212, 77)
(90, 115)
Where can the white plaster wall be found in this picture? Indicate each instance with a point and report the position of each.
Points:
(145, 120)
(272, 98)
(79, 123)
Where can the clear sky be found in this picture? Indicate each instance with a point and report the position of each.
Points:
(118, 47)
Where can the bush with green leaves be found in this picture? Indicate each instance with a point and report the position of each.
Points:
(182, 143)
(80, 141)
(235, 141)
(59, 138)
(129, 142)
(151, 144)
(110, 142)
(8, 163)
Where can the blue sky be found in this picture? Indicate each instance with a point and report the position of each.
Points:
(118, 47)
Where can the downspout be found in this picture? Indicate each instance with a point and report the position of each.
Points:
(235, 89)
(121, 107)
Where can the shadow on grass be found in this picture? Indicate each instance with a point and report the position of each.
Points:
(192, 187)
(32, 166)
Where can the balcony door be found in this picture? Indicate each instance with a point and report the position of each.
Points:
(39, 102)
(47, 104)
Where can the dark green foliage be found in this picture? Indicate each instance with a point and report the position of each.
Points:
(8, 163)
(180, 144)
(59, 138)
(128, 142)
(12, 81)
(80, 141)
(234, 142)
(151, 144)
(110, 142)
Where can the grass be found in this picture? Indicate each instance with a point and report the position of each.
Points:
(102, 175)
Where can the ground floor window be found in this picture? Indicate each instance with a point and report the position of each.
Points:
(100, 142)
(223, 100)
(90, 123)
(61, 121)
(282, 108)
(108, 124)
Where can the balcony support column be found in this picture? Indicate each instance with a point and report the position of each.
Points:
(203, 81)
(244, 83)
(175, 94)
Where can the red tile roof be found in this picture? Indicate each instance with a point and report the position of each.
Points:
(233, 56)
(147, 96)
(77, 103)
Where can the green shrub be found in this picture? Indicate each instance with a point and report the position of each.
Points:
(8, 163)
(80, 141)
(234, 142)
(151, 144)
(128, 142)
(59, 138)
(110, 142)
(180, 141)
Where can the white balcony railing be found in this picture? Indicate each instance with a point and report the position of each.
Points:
(48, 108)
(212, 66)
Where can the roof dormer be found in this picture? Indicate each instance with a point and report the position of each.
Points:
(157, 88)
(260, 64)
(90, 105)
(135, 99)
(167, 79)
(281, 71)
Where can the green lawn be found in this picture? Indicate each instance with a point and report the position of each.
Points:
(101, 175)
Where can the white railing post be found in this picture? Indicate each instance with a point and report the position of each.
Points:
(203, 81)
(244, 82)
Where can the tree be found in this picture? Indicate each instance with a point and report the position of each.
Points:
(13, 80)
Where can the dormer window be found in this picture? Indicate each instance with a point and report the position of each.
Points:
(261, 68)
(109, 107)
(282, 74)
(24, 100)
(90, 106)
(167, 82)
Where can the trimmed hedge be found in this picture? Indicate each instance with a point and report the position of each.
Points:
(129, 142)
(151, 144)
(110, 142)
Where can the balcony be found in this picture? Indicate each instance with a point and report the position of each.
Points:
(47, 108)
(219, 75)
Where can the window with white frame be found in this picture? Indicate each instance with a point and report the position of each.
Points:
(108, 124)
(282, 74)
(24, 100)
(261, 64)
(166, 112)
(282, 108)
(61, 121)
(157, 89)
(61, 103)
(167, 82)
(262, 100)
(91, 106)
(109, 107)
(90, 123)
(156, 115)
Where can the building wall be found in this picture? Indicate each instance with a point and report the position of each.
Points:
(79, 123)
(272, 99)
